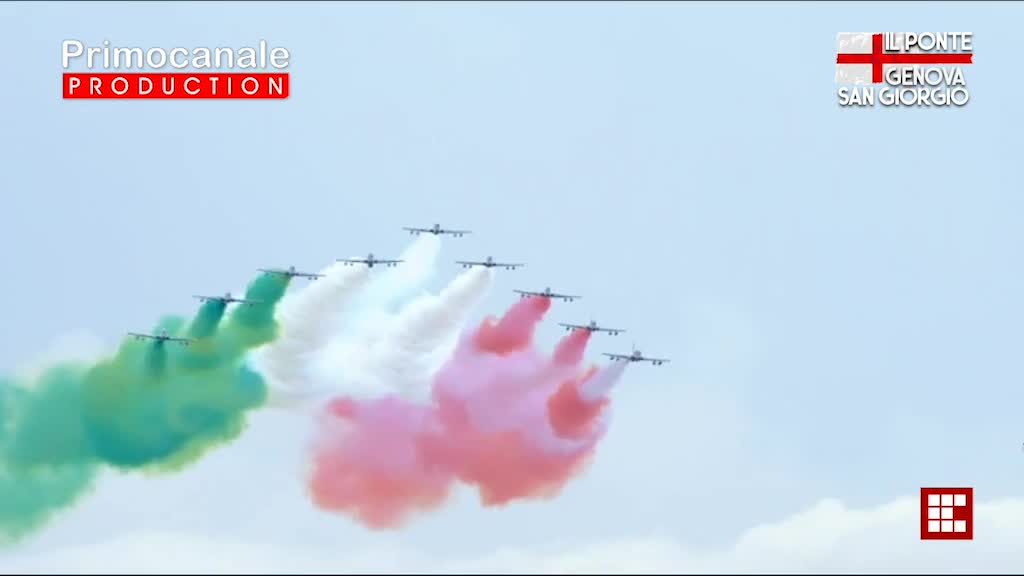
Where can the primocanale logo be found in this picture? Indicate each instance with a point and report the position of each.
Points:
(135, 72)
(903, 68)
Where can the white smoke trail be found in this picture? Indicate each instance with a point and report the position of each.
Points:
(392, 287)
(309, 317)
(601, 383)
(305, 320)
(403, 350)
(430, 321)
(349, 333)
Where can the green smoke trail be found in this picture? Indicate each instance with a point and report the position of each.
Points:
(208, 319)
(160, 404)
(154, 406)
(37, 429)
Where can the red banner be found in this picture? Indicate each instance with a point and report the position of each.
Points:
(261, 85)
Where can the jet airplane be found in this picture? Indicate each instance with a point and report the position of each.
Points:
(547, 293)
(227, 298)
(161, 337)
(370, 261)
(489, 263)
(291, 272)
(592, 327)
(436, 230)
(636, 356)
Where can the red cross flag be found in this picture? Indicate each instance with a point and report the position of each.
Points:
(864, 57)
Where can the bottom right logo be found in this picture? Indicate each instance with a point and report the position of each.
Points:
(947, 513)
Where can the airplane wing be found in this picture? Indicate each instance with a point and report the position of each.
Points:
(566, 296)
(368, 262)
(211, 298)
(437, 231)
(571, 326)
(492, 264)
(655, 360)
(185, 341)
(249, 302)
(289, 273)
(617, 356)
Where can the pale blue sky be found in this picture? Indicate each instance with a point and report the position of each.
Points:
(839, 289)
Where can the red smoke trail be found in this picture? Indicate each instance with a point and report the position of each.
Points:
(515, 329)
(367, 461)
(505, 418)
(570, 349)
(570, 414)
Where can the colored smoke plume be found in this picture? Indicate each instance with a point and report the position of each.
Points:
(505, 418)
(152, 405)
(29, 495)
(403, 349)
(306, 325)
(368, 461)
(369, 333)
(391, 287)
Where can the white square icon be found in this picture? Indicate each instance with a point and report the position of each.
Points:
(959, 526)
(933, 525)
(960, 500)
(947, 513)
(947, 499)
(933, 513)
(933, 499)
(947, 525)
